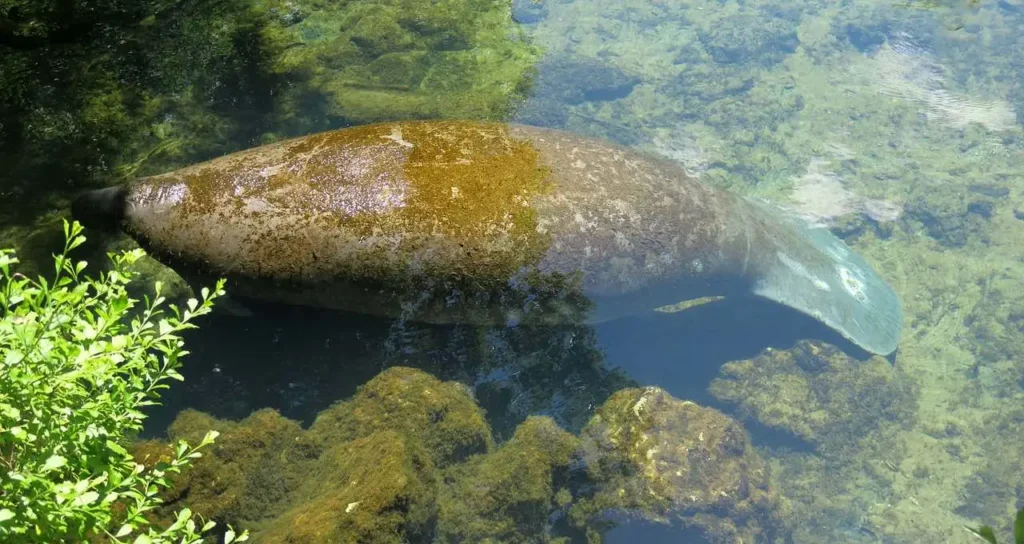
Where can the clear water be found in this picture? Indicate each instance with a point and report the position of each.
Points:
(897, 125)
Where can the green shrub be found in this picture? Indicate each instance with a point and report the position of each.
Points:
(78, 361)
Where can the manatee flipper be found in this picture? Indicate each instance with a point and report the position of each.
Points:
(817, 274)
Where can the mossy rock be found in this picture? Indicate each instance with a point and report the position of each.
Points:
(249, 470)
(674, 462)
(381, 488)
(403, 59)
(443, 415)
(818, 393)
(509, 495)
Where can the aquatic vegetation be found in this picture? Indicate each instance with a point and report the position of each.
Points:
(999, 481)
(511, 494)
(402, 59)
(89, 89)
(565, 80)
(406, 454)
(818, 393)
(378, 488)
(985, 532)
(377, 467)
(443, 416)
(953, 220)
(81, 360)
(675, 462)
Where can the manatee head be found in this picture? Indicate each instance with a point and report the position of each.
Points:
(100, 209)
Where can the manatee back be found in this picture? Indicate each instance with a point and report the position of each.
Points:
(486, 202)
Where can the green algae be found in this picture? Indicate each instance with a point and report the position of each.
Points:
(675, 462)
(377, 488)
(440, 415)
(391, 465)
(818, 393)
(404, 59)
(510, 495)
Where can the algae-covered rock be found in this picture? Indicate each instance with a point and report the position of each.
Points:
(509, 495)
(997, 322)
(380, 488)
(758, 38)
(443, 415)
(248, 471)
(952, 218)
(564, 80)
(675, 462)
(399, 59)
(995, 491)
(818, 393)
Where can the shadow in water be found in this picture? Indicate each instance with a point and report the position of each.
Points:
(300, 360)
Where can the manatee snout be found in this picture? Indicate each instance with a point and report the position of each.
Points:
(100, 209)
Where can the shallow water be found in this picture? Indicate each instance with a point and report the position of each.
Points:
(898, 126)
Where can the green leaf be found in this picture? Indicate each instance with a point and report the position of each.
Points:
(86, 498)
(985, 532)
(10, 411)
(124, 530)
(116, 448)
(229, 536)
(54, 462)
(5, 515)
(143, 539)
(1018, 528)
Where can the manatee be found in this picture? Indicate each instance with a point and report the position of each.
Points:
(486, 223)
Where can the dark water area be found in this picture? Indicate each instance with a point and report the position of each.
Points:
(300, 360)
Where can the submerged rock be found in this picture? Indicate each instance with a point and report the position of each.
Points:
(674, 462)
(246, 474)
(818, 393)
(442, 415)
(380, 488)
(508, 496)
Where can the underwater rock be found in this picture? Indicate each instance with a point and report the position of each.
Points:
(247, 473)
(952, 218)
(442, 415)
(379, 488)
(509, 495)
(402, 59)
(996, 489)
(997, 322)
(564, 79)
(675, 462)
(818, 393)
(366, 472)
(529, 11)
(751, 38)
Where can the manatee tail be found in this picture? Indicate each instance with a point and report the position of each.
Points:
(101, 209)
(816, 273)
